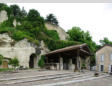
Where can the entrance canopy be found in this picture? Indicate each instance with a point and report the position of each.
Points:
(74, 50)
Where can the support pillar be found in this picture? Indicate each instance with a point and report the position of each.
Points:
(61, 63)
(71, 66)
(57, 66)
(88, 63)
(78, 63)
(78, 60)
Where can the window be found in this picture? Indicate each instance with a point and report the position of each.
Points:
(111, 56)
(102, 58)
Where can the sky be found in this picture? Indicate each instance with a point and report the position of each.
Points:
(93, 17)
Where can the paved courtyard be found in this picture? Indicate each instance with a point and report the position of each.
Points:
(54, 78)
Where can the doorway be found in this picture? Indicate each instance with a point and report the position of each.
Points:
(32, 60)
(111, 68)
(5, 64)
(102, 68)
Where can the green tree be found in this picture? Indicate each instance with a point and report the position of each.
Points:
(1, 59)
(51, 19)
(23, 13)
(2, 5)
(105, 41)
(35, 19)
(76, 34)
(14, 62)
(15, 10)
(33, 15)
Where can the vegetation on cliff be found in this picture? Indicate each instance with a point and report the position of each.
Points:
(32, 27)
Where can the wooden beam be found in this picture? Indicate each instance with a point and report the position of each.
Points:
(84, 51)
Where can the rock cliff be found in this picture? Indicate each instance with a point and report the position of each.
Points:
(3, 16)
(62, 34)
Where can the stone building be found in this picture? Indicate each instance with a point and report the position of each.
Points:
(69, 58)
(104, 59)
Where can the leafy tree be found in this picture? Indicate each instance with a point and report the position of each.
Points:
(33, 15)
(76, 34)
(1, 58)
(51, 19)
(2, 5)
(15, 10)
(105, 41)
(14, 62)
(23, 13)
(35, 19)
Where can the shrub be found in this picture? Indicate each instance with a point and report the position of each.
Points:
(57, 44)
(41, 62)
(14, 62)
(53, 34)
(18, 35)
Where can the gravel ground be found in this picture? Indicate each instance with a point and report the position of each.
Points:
(58, 76)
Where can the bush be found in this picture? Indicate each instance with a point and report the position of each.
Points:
(57, 44)
(18, 35)
(83, 66)
(53, 34)
(1, 58)
(41, 62)
(14, 62)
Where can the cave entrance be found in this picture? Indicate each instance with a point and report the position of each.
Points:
(32, 61)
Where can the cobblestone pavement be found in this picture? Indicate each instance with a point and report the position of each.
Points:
(54, 78)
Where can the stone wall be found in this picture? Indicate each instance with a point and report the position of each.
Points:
(62, 34)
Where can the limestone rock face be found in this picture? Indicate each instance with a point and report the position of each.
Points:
(3, 16)
(43, 48)
(15, 23)
(62, 34)
(22, 49)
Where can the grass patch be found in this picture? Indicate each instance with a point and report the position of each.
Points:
(6, 69)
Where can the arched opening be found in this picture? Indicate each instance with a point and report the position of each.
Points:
(32, 60)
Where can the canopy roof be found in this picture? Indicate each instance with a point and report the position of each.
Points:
(82, 47)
